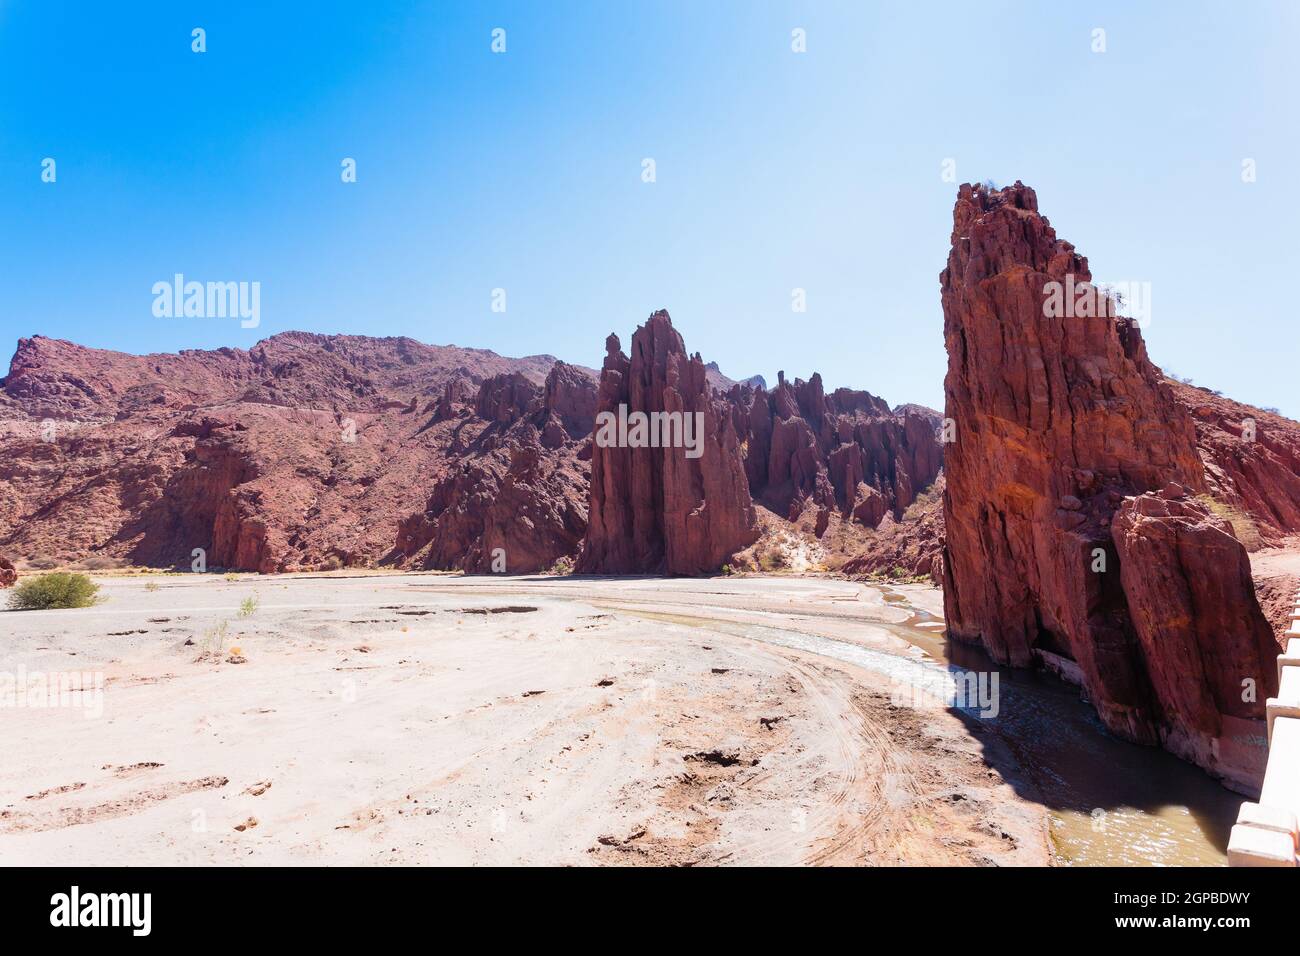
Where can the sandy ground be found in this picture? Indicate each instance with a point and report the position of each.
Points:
(1277, 561)
(418, 719)
(1277, 574)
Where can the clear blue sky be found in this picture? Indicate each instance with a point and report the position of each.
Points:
(775, 170)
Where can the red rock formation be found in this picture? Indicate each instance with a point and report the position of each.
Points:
(302, 451)
(570, 400)
(8, 576)
(1187, 585)
(1252, 460)
(518, 500)
(514, 512)
(655, 510)
(908, 547)
(1060, 422)
(506, 398)
(846, 451)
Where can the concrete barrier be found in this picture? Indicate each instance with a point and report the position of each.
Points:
(1266, 833)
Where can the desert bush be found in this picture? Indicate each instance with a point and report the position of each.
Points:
(332, 563)
(774, 559)
(58, 589)
(562, 565)
(248, 607)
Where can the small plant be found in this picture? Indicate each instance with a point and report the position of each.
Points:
(248, 607)
(563, 565)
(151, 586)
(214, 640)
(231, 576)
(59, 589)
(728, 570)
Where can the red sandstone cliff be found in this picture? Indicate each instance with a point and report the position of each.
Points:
(1056, 547)
(517, 500)
(304, 451)
(312, 451)
(846, 452)
(656, 510)
(1252, 462)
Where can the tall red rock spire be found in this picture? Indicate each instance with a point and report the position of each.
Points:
(1074, 530)
(658, 510)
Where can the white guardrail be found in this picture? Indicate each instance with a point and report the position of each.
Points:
(1265, 834)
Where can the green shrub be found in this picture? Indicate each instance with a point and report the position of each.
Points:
(59, 589)
(563, 565)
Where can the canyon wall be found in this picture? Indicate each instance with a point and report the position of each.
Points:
(846, 452)
(1079, 531)
(306, 451)
(1252, 463)
(517, 500)
(311, 451)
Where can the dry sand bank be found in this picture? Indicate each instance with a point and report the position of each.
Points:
(429, 719)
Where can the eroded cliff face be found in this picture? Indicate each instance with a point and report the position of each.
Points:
(1071, 512)
(1252, 463)
(516, 501)
(305, 451)
(657, 509)
(8, 576)
(846, 452)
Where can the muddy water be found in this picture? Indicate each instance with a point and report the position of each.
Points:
(1111, 803)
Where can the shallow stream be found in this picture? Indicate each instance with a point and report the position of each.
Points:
(1111, 803)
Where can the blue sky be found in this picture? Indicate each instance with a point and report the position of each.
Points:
(522, 171)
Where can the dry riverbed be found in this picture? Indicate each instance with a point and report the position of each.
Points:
(417, 719)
